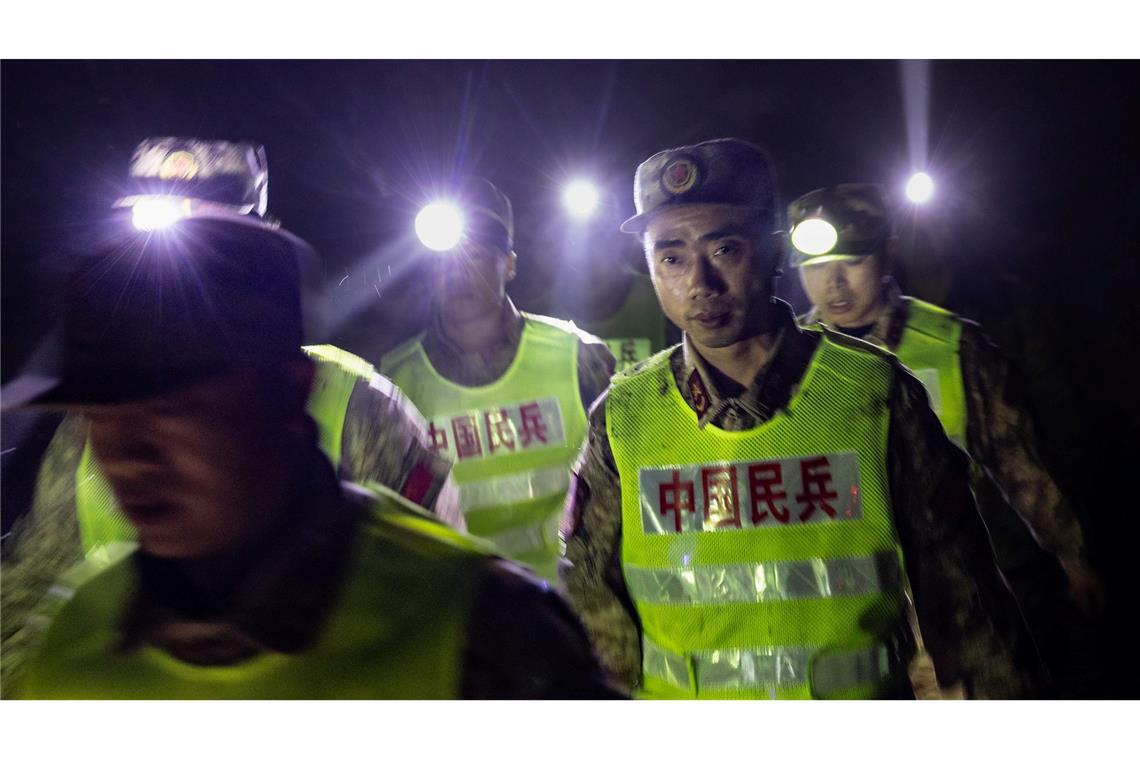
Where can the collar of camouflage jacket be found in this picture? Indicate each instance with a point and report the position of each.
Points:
(769, 391)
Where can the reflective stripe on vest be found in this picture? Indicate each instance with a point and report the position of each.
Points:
(929, 349)
(489, 493)
(765, 581)
(337, 372)
(727, 670)
(751, 555)
(512, 441)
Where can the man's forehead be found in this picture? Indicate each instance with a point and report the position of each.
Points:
(695, 220)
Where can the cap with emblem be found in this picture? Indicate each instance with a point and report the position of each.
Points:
(726, 171)
(224, 176)
(840, 221)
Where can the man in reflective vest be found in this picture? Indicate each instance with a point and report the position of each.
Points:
(257, 575)
(505, 393)
(844, 245)
(753, 506)
(367, 428)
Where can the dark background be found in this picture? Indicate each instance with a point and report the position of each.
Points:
(1036, 165)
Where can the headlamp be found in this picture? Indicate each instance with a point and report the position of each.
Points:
(440, 226)
(158, 213)
(580, 198)
(814, 237)
(920, 188)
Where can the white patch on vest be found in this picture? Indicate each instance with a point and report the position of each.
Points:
(498, 431)
(743, 495)
(928, 376)
(629, 351)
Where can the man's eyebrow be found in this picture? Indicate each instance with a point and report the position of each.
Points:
(660, 244)
(732, 230)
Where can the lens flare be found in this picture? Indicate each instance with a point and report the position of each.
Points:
(439, 226)
(581, 198)
(149, 214)
(920, 188)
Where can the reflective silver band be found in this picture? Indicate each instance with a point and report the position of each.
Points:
(764, 581)
(741, 669)
(523, 540)
(505, 490)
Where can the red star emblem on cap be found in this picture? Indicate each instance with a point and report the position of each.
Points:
(679, 176)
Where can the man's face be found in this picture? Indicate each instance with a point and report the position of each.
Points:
(711, 276)
(200, 470)
(848, 292)
(472, 280)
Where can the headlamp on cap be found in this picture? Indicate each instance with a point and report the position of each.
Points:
(814, 237)
(476, 212)
(174, 178)
(440, 226)
(581, 198)
(152, 213)
(840, 221)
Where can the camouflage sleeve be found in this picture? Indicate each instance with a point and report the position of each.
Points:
(1000, 437)
(385, 440)
(44, 543)
(591, 566)
(596, 365)
(969, 621)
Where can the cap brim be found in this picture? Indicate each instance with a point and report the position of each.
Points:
(636, 224)
(34, 391)
(801, 259)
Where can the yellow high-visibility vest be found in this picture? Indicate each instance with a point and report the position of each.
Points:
(512, 441)
(763, 563)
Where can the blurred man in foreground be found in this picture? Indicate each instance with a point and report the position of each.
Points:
(257, 574)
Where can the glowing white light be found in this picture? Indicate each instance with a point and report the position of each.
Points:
(814, 237)
(580, 198)
(919, 188)
(156, 213)
(439, 226)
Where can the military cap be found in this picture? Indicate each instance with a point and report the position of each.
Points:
(233, 176)
(490, 217)
(859, 213)
(154, 312)
(726, 171)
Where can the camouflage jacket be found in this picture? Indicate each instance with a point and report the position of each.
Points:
(967, 618)
(999, 433)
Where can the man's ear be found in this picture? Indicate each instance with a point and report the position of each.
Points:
(512, 265)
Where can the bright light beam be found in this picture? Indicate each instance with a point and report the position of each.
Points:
(580, 198)
(149, 214)
(915, 76)
(439, 226)
(920, 188)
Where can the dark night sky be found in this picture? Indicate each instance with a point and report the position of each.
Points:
(1038, 163)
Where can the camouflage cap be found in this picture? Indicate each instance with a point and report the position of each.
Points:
(858, 211)
(233, 175)
(489, 213)
(726, 171)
